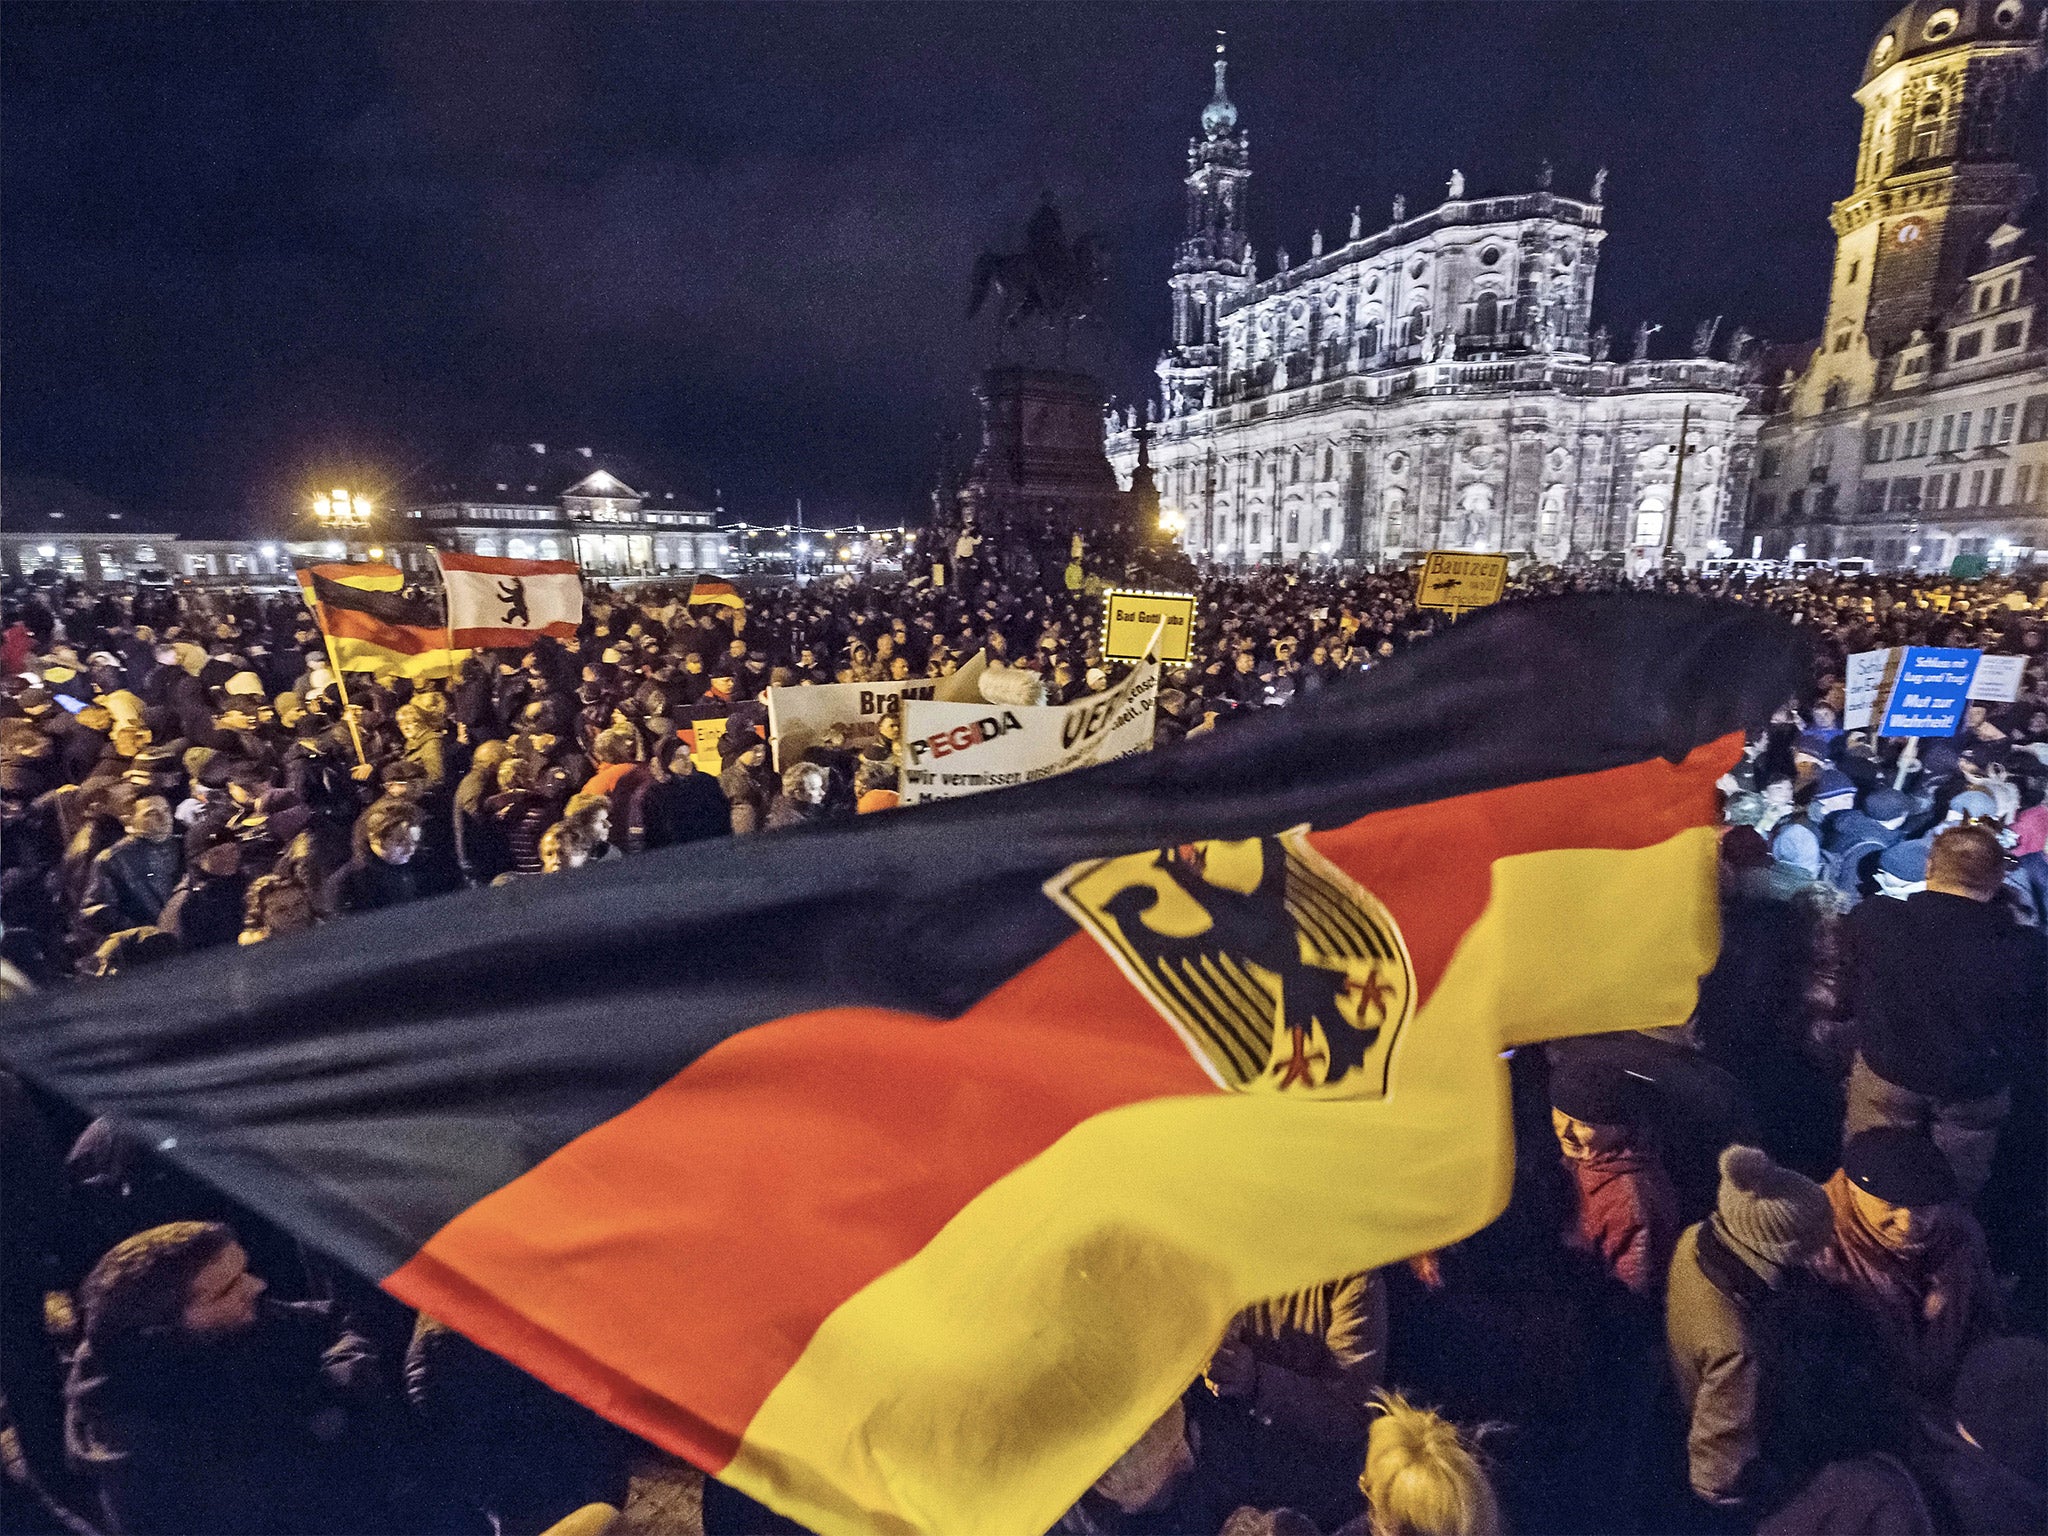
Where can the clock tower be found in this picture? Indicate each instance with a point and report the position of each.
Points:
(1944, 103)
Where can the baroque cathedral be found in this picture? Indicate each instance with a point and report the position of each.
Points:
(1438, 383)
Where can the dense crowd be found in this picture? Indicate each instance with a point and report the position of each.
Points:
(1784, 1269)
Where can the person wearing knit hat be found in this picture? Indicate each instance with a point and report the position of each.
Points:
(1625, 1212)
(1731, 1275)
(1909, 1254)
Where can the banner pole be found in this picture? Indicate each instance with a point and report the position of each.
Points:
(447, 608)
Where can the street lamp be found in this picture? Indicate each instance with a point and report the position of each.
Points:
(338, 509)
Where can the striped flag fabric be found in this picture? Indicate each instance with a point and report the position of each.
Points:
(710, 590)
(372, 624)
(496, 604)
(902, 1173)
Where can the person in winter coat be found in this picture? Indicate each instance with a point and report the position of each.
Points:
(665, 801)
(387, 835)
(205, 911)
(1948, 994)
(1754, 1336)
(1910, 1255)
(1625, 1209)
(805, 787)
(133, 879)
(747, 784)
(198, 1406)
(480, 850)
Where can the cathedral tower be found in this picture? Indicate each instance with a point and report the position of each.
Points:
(1944, 98)
(1214, 261)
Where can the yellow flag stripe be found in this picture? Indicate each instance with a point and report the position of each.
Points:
(1121, 1252)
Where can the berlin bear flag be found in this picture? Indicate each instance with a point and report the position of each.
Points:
(495, 603)
(901, 1173)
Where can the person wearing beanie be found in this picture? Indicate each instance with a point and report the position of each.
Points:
(1625, 1210)
(1946, 994)
(1738, 1288)
(1910, 1255)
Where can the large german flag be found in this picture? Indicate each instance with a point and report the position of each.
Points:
(373, 624)
(902, 1173)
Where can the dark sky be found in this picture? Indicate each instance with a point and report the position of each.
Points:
(247, 249)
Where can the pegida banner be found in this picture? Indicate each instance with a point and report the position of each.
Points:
(962, 749)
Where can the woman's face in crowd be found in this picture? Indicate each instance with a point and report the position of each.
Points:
(221, 1299)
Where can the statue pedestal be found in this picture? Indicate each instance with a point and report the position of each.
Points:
(1041, 453)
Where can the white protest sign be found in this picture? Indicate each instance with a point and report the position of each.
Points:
(962, 749)
(1998, 679)
(799, 718)
(1863, 686)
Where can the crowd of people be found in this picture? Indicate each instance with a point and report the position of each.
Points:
(1784, 1269)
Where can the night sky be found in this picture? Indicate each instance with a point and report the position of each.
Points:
(246, 250)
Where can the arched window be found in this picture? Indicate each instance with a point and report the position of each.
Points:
(1329, 516)
(1294, 468)
(1329, 463)
(1485, 315)
(1255, 529)
(1832, 397)
(1293, 527)
(1418, 322)
(1370, 344)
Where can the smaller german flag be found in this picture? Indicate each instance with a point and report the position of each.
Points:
(710, 590)
(373, 624)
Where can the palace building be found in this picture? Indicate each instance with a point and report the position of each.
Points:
(1436, 383)
(1916, 429)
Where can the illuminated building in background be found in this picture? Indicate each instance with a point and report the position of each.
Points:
(614, 516)
(1916, 429)
(1436, 383)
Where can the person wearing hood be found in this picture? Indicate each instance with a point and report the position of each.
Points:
(198, 1405)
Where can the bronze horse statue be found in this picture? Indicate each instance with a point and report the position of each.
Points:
(1051, 280)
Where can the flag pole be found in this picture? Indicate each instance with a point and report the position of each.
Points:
(447, 608)
(355, 732)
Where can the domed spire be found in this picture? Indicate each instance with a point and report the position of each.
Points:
(1219, 117)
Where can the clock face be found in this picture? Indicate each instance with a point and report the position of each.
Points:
(1909, 232)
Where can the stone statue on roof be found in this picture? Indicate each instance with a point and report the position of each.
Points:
(1456, 188)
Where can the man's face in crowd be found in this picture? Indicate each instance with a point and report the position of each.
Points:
(899, 668)
(1581, 1139)
(151, 819)
(600, 824)
(221, 1300)
(755, 755)
(1244, 661)
(398, 845)
(1901, 1228)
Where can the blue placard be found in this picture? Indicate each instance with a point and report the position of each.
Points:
(1931, 693)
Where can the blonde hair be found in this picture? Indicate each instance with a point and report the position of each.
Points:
(1422, 1477)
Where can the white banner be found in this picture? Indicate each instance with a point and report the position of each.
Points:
(962, 749)
(799, 718)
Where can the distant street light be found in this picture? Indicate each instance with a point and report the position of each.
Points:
(338, 509)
